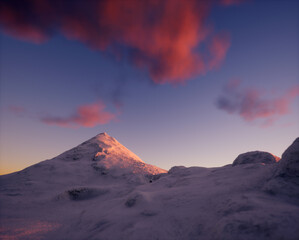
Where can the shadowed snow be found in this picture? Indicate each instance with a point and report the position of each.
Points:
(101, 190)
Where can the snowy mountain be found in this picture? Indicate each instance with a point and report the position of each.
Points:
(101, 190)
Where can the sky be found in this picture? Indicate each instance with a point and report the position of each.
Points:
(191, 83)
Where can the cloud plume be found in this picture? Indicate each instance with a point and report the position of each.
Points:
(252, 104)
(170, 39)
(88, 115)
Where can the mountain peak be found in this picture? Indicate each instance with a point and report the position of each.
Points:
(117, 159)
(107, 156)
(103, 134)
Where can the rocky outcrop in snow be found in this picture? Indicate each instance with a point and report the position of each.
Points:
(285, 177)
(289, 164)
(255, 157)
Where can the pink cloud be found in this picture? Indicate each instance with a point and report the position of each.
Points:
(252, 104)
(88, 115)
(164, 36)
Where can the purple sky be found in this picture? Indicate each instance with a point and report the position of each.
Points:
(191, 83)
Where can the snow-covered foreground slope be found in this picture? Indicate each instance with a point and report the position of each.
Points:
(101, 190)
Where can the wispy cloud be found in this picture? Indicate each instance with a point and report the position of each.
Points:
(218, 48)
(231, 2)
(164, 37)
(16, 109)
(253, 104)
(88, 115)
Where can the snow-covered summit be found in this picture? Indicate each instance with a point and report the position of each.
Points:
(117, 159)
(106, 155)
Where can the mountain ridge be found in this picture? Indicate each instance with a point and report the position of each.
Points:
(81, 195)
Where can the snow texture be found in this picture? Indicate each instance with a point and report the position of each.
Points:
(100, 190)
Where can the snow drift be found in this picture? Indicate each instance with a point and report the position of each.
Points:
(101, 190)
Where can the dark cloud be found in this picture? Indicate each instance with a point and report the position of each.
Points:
(163, 36)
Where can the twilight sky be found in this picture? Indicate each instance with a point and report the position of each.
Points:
(191, 83)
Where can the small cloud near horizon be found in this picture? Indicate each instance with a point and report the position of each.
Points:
(89, 115)
(163, 37)
(252, 104)
(16, 109)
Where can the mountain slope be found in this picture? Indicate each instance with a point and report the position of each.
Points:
(89, 160)
(100, 190)
(108, 155)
